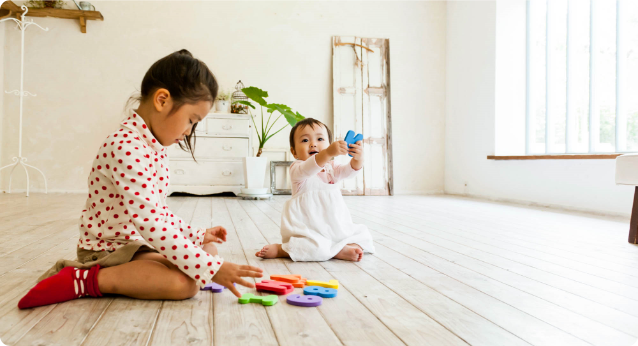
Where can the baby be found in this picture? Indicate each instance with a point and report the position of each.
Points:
(315, 223)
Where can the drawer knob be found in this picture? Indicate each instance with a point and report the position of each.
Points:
(227, 147)
(179, 171)
(227, 127)
(227, 173)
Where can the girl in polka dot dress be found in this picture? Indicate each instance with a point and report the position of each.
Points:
(130, 243)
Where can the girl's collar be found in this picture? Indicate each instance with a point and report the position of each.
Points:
(136, 123)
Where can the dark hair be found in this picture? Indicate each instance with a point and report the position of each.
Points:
(187, 79)
(307, 122)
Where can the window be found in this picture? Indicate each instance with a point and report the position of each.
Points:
(581, 76)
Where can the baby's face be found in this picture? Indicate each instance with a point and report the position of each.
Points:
(310, 141)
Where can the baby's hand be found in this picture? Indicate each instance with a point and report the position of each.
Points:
(356, 150)
(337, 148)
(216, 234)
(229, 273)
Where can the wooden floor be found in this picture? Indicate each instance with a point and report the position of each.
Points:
(447, 271)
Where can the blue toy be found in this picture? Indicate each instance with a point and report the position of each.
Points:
(320, 291)
(352, 139)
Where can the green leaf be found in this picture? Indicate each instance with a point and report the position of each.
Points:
(291, 117)
(247, 103)
(271, 107)
(256, 95)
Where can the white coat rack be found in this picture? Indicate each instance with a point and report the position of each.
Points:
(19, 160)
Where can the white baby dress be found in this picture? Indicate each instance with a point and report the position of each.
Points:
(316, 223)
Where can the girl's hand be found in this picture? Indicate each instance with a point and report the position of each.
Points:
(229, 273)
(216, 234)
(356, 150)
(337, 148)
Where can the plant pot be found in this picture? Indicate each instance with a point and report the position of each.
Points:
(222, 106)
(254, 175)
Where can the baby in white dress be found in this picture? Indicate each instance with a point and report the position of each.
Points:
(316, 224)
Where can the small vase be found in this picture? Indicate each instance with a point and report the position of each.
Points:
(254, 175)
(222, 106)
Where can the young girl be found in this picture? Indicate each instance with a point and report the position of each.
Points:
(316, 224)
(130, 242)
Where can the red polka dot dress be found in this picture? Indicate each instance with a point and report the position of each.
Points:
(128, 186)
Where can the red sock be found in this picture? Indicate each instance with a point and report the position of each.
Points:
(69, 283)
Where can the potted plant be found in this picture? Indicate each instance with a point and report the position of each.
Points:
(255, 167)
(222, 103)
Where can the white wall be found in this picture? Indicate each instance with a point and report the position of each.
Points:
(2, 89)
(470, 132)
(83, 80)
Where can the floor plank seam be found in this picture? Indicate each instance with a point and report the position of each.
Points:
(510, 243)
(504, 269)
(496, 254)
(96, 322)
(513, 307)
(525, 292)
(360, 302)
(152, 332)
(248, 262)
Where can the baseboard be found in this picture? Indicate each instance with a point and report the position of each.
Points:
(545, 205)
(418, 192)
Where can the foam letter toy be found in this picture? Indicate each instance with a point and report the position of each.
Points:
(294, 280)
(213, 287)
(332, 284)
(306, 301)
(320, 291)
(352, 139)
(275, 287)
(263, 300)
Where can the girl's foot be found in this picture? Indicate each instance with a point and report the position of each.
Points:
(350, 252)
(70, 283)
(271, 251)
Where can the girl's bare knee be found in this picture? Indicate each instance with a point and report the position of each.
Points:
(185, 287)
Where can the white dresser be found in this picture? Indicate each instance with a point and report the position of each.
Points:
(223, 139)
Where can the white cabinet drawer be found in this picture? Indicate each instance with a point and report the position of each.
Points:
(209, 148)
(228, 127)
(201, 127)
(207, 173)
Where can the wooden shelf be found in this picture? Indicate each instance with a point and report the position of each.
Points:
(10, 9)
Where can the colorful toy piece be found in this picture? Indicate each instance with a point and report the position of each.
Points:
(294, 280)
(320, 291)
(213, 287)
(306, 301)
(352, 139)
(331, 284)
(275, 287)
(263, 300)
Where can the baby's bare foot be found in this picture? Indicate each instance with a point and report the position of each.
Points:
(271, 251)
(350, 253)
